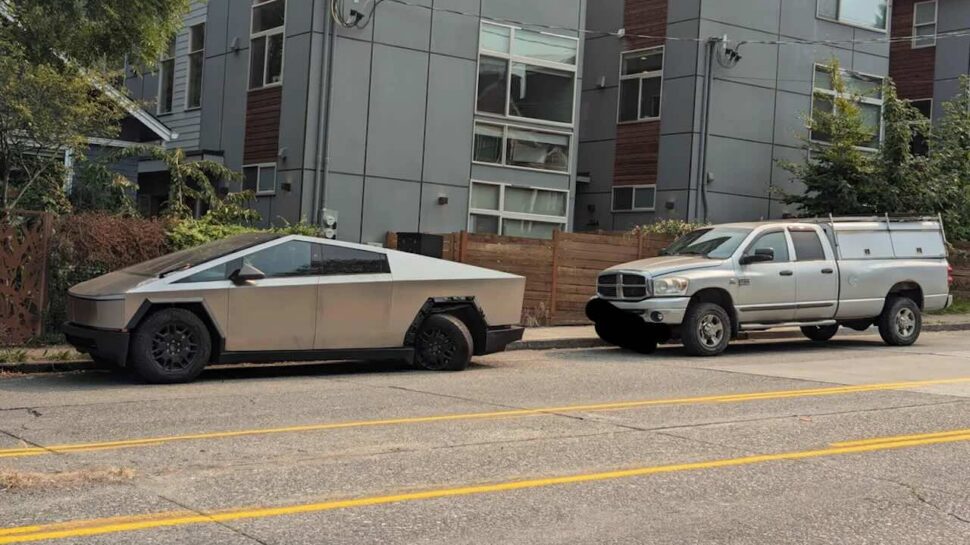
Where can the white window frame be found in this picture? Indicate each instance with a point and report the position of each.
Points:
(505, 147)
(936, 20)
(511, 58)
(836, 20)
(188, 67)
(862, 99)
(502, 215)
(634, 200)
(265, 35)
(259, 168)
(161, 78)
(640, 76)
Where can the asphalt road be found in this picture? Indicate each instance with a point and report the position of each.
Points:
(791, 442)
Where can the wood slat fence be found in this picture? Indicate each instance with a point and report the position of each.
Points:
(560, 273)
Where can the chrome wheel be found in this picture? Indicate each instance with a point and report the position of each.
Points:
(905, 322)
(174, 347)
(710, 331)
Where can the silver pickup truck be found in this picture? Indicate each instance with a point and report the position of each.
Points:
(716, 282)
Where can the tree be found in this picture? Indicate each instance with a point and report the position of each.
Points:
(839, 173)
(949, 163)
(55, 59)
(900, 171)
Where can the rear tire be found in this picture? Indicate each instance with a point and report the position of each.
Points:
(706, 330)
(820, 333)
(901, 322)
(170, 346)
(443, 344)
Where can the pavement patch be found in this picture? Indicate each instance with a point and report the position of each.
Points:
(512, 413)
(92, 527)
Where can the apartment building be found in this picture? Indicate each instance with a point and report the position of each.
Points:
(927, 69)
(400, 115)
(660, 139)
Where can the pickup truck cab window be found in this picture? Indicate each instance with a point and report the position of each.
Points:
(775, 241)
(341, 260)
(808, 247)
(714, 243)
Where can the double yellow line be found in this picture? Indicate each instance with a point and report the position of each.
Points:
(512, 413)
(94, 527)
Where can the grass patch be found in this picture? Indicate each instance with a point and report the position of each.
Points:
(23, 480)
(13, 355)
(960, 305)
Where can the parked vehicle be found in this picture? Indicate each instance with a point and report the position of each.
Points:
(264, 297)
(820, 275)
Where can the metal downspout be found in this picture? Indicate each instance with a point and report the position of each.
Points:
(323, 121)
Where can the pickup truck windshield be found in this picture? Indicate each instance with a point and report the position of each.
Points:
(713, 243)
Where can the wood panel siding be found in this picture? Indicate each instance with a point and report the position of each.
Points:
(263, 125)
(638, 143)
(913, 70)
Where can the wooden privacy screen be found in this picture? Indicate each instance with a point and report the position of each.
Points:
(24, 241)
(560, 273)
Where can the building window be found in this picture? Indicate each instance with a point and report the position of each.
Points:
(641, 84)
(872, 14)
(260, 178)
(266, 43)
(867, 90)
(502, 209)
(193, 95)
(520, 147)
(166, 79)
(634, 198)
(526, 74)
(924, 24)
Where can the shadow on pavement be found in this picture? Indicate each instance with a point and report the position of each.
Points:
(741, 348)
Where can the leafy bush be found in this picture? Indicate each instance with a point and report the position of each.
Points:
(191, 232)
(668, 228)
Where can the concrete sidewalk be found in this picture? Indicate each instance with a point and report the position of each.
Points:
(57, 359)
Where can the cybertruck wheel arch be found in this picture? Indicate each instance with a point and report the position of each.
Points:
(465, 309)
(196, 305)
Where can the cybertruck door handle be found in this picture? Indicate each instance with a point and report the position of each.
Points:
(827, 271)
(787, 273)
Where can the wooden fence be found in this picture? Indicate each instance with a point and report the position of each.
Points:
(560, 273)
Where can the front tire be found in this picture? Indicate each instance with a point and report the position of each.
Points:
(901, 322)
(820, 333)
(706, 330)
(443, 344)
(171, 346)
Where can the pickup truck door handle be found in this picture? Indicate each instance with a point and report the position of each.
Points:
(787, 273)
(827, 271)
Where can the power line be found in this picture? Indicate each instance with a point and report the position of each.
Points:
(363, 20)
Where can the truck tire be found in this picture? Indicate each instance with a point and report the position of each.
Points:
(706, 330)
(170, 346)
(901, 321)
(820, 333)
(443, 344)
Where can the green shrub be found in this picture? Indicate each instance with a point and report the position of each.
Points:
(668, 228)
(188, 233)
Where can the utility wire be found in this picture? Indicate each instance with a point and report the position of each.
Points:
(363, 20)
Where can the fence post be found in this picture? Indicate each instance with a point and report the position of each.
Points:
(554, 288)
(390, 241)
(462, 246)
(640, 245)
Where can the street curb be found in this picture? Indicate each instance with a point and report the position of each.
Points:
(30, 368)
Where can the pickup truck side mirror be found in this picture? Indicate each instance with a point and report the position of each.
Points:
(246, 274)
(761, 255)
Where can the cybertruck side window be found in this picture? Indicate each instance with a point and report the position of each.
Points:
(340, 260)
(292, 259)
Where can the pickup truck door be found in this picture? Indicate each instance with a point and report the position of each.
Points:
(766, 290)
(816, 275)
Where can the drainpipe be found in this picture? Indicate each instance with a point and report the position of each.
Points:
(322, 160)
(712, 44)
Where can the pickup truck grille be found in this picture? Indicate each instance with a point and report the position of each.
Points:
(623, 286)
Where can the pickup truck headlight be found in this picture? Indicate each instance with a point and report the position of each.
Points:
(670, 286)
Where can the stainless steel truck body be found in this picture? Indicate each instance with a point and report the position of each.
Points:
(718, 281)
